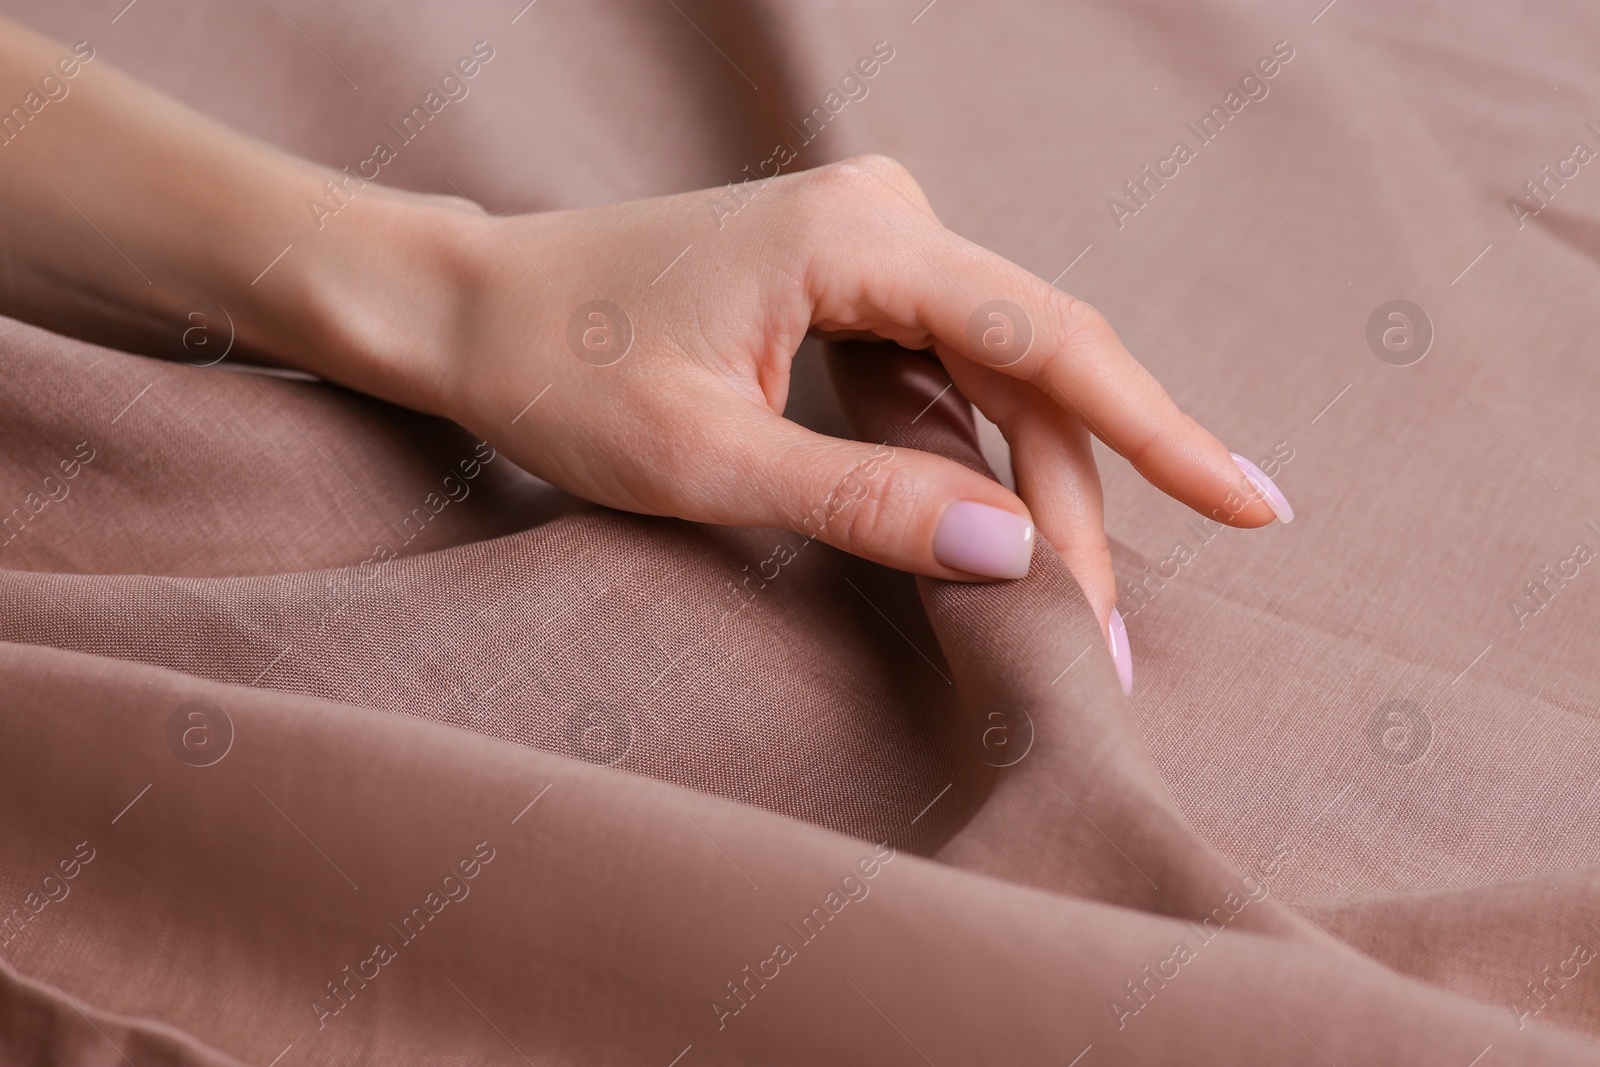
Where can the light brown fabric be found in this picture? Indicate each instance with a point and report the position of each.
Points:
(653, 783)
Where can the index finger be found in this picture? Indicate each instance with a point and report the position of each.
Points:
(979, 306)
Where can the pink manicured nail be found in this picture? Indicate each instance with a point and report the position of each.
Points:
(1269, 492)
(1121, 654)
(985, 540)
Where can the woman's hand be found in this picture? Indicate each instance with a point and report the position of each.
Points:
(639, 356)
(636, 355)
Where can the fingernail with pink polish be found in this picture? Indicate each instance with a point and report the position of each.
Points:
(981, 539)
(1264, 485)
(1121, 654)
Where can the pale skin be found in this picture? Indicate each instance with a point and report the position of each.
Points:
(118, 206)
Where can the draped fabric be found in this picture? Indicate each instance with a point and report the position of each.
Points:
(330, 737)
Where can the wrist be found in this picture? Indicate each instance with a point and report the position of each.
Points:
(377, 298)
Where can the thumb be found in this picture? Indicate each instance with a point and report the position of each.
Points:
(910, 510)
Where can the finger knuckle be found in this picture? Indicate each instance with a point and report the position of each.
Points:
(881, 166)
(831, 202)
(839, 203)
(1079, 322)
(878, 178)
(873, 509)
(835, 179)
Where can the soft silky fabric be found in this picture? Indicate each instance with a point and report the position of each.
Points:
(1346, 817)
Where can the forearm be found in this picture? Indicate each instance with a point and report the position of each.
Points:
(120, 208)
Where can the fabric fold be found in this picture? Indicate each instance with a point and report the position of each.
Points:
(386, 752)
